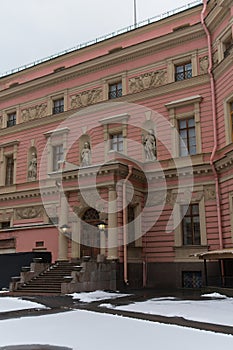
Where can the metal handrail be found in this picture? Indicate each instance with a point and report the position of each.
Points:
(105, 37)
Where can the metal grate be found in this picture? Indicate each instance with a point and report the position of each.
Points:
(192, 279)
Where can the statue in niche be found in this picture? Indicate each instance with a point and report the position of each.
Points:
(86, 154)
(32, 168)
(149, 142)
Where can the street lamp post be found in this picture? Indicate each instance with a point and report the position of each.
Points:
(65, 229)
(102, 226)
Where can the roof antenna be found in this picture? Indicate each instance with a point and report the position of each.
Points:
(135, 14)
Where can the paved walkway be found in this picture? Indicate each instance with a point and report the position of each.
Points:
(57, 304)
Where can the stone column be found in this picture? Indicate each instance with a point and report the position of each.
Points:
(102, 243)
(63, 219)
(75, 243)
(112, 224)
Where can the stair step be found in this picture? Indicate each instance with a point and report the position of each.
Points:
(49, 281)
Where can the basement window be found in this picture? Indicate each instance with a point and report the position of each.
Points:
(191, 279)
(40, 244)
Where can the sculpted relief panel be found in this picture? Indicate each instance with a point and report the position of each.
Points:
(29, 212)
(34, 112)
(147, 81)
(204, 64)
(86, 98)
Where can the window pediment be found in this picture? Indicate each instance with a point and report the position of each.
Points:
(184, 101)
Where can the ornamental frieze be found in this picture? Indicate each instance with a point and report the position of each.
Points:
(156, 198)
(147, 81)
(35, 112)
(86, 98)
(183, 197)
(29, 213)
(5, 215)
(210, 193)
(204, 64)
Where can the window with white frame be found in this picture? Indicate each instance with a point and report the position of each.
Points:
(58, 105)
(182, 67)
(191, 230)
(189, 225)
(115, 90)
(186, 128)
(56, 147)
(183, 71)
(9, 177)
(225, 44)
(115, 133)
(116, 142)
(187, 132)
(11, 119)
(8, 162)
(228, 116)
(58, 156)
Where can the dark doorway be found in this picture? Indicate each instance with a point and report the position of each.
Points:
(90, 235)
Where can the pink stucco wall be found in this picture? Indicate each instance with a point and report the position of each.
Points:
(158, 245)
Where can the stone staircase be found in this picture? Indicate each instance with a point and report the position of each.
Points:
(49, 281)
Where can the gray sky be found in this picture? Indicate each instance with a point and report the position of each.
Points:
(34, 29)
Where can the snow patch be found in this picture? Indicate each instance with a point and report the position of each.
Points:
(89, 297)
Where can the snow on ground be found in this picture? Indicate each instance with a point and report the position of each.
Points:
(83, 330)
(89, 297)
(214, 295)
(13, 304)
(217, 311)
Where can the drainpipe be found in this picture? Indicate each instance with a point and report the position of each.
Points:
(125, 222)
(213, 101)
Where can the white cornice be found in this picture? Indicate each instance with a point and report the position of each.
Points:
(57, 132)
(120, 118)
(184, 101)
(10, 143)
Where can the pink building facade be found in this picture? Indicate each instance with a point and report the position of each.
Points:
(134, 132)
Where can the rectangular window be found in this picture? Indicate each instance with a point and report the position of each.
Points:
(227, 46)
(58, 156)
(9, 179)
(116, 142)
(183, 71)
(8, 243)
(115, 90)
(192, 279)
(40, 244)
(58, 106)
(231, 119)
(191, 224)
(187, 136)
(11, 119)
(5, 225)
(53, 220)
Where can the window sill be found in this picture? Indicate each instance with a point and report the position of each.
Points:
(182, 161)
